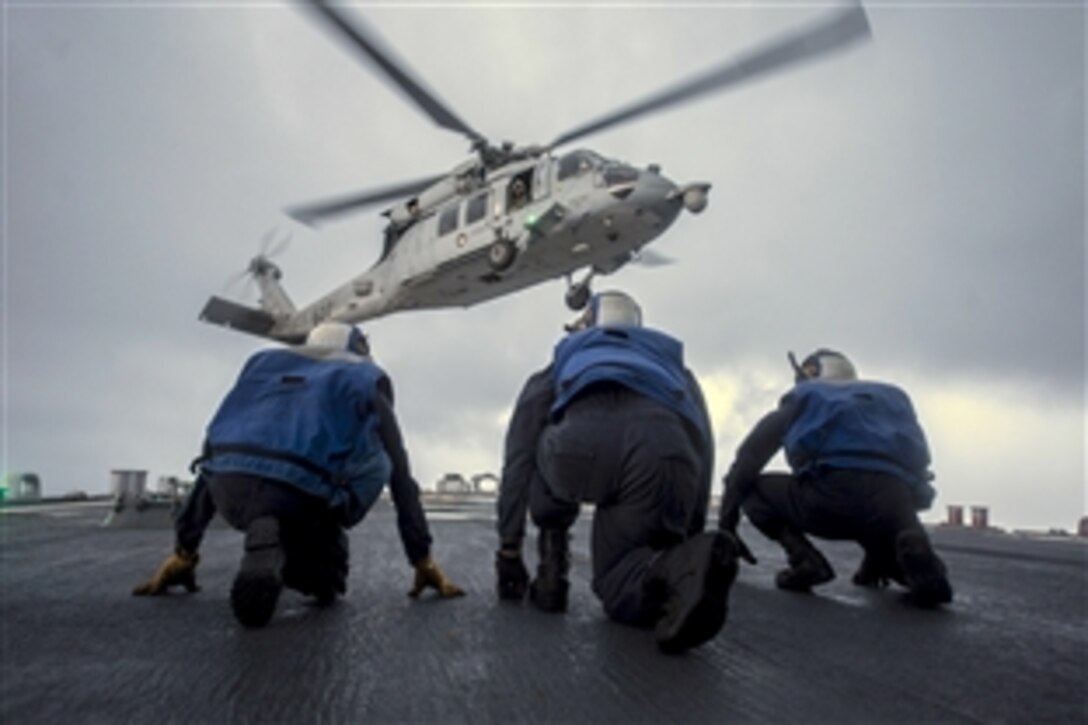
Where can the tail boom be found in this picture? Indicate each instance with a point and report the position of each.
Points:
(235, 316)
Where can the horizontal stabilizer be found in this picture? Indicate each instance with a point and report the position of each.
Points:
(219, 311)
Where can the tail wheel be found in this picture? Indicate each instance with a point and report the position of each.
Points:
(501, 254)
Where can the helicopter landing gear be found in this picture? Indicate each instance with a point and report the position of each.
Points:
(501, 254)
(578, 293)
(577, 297)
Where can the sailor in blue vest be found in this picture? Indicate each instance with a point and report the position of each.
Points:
(299, 451)
(860, 472)
(617, 420)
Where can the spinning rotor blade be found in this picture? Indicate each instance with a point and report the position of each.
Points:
(367, 42)
(651, 258)
(235, 280)
(270, 247)
(316, 211)
(849, 25)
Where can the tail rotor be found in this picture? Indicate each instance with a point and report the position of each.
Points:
(271, 247)
(243, 284)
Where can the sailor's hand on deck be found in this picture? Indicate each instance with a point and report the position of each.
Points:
(179, 569)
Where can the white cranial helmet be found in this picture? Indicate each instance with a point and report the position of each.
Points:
(824, 364)
(339, 336)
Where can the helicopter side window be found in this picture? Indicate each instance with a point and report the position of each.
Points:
(518, 192)
(476, 209)
(447, 221)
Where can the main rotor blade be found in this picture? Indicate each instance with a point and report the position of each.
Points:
(317, 211)
(367, 41)
(841, 29)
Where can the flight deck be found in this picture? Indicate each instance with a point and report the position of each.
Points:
(77, 647)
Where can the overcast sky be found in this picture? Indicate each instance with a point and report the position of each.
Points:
(916, 201)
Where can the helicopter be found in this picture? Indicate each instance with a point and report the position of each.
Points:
(510, 216)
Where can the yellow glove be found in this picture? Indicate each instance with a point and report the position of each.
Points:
(429, 575)
(178, 569)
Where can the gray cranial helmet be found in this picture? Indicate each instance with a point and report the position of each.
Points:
(608, 309)
(614, 309)
(823, 364)
(339, 336)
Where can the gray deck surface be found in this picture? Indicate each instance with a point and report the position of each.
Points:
(76, 647)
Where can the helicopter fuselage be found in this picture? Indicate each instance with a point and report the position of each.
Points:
(572, 212)
(513, 216)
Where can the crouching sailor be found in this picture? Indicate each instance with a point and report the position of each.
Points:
(297, 453)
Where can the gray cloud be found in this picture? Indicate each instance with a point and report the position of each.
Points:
(917, 201)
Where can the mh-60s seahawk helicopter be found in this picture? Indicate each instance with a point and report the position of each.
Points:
(512, 216)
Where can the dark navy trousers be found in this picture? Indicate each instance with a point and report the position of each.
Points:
(869, 507)
(314, 541)
(634, 459)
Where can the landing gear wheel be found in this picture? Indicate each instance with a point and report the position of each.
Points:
(577, 297)
(501, 253)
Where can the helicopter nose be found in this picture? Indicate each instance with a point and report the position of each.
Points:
(657, 195)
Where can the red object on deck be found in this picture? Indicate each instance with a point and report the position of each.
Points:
(980, 517)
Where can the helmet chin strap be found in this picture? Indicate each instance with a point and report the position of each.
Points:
(357, 342)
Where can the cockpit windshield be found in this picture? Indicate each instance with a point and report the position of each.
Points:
(578, 162)
(619, 175)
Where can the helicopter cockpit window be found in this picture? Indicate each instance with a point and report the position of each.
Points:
(476, 209)
(575, 163)
(619, 175)
(447, 221)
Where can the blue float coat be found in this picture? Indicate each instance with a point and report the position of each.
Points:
(647, 361)
(855, 425)
(305, 420)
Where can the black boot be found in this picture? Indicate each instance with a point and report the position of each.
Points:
(877, 570)
(331, 575)
(923, 570)
(259, 580)
(808, 567)
(318, 566)
(694, 579)
(548, 591)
